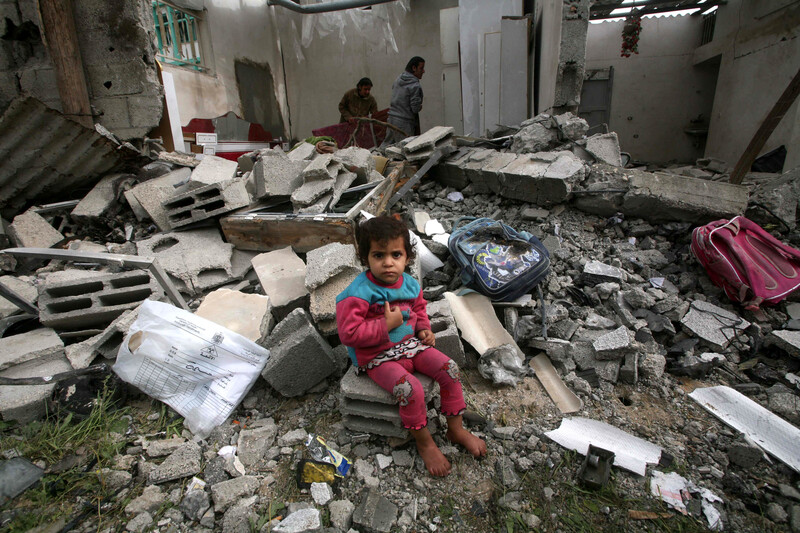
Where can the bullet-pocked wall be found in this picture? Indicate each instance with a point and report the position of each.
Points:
(334, 63)
(757, 46)
(660, 101)
(118, 53)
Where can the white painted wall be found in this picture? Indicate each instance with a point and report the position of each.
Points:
(758, 44)
(656, 93)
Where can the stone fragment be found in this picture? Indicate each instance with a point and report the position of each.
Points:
(139, 522)
(300, 521)
(147, 198)
(595, 321)
(42, 343)
(194, 504)
(302, 151)
(629, 371)
(786, 340)
(276, 174)
(282, 275)
(228, 492)
(356, 160)
(212, 170)
(149, 501)
(744, 453)
(325, 262)
(249, 315)
(183, 462)
(254, 444)
(163, 447)
(651, 366)
(341, 514)
(311, 191)
(375, 512)
(299, 357)
(31, 230)
(605, 148)
(612, 345)
(534, 213)
(714, 325)
(595, 272)
(321, 493)
(238, 518)
(100, 200)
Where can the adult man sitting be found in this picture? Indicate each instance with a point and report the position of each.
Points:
(358, 102)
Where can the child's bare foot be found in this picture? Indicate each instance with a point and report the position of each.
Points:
(435, 461)
(457, 434)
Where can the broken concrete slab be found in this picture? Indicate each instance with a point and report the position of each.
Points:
(276, 174)
(28, 403)
(327, 261)
(23, 347)
(147, 198)
(450, 170)
(786, 340)
(422, 146)
(312, 191)
(324, 167)
(249, 315)
(22, 286)
(205, 202)
(299, 357)
(183, 462)
(605, 148)
(212, 170)
(595, 272)
(253, 445)
(31, 230)
(613, 344)
(84, 303)
(100, 200)
(322, 303)
(229, 492)
(356, 160)
(375, 512)
(539, 179)
(714, 325)
(283, 278)
(302, 152)
(199, 258)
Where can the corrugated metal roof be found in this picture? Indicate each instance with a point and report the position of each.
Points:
(43, 154)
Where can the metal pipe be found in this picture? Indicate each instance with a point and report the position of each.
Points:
(325, 7)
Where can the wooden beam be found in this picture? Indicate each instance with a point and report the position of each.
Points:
(767, 127)
(61, 40)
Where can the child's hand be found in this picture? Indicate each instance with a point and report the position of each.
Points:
(427, 337)
(394, 317)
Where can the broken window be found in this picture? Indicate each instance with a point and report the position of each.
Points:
(177, 36)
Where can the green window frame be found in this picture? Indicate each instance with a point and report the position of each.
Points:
(177, 36)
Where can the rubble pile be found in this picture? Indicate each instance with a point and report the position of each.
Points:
(632, 325)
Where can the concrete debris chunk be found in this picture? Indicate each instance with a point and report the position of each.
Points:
(375, 512)
(147, 198)
(786, 340)
(605, 148)
(448, 340)
(198, 258)
(324, 167)
(356, 160)
(714, 325)
(302, 152)
(41, 343)
(322, 303)
(101, 200)
(276, 174)
(595, 272)
(327, 261)
(229, 492)
(31, 230)
(21, 286)
(249, 315)
(423, 146)
(283, 278)
(28, 403)
(300, 521)
(253, 445)
(205, 202)
(84, 303)
(299, 357)
(612, 345)
(183, 462)
(312, 191)
(213, 170)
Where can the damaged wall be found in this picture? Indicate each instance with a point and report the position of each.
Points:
(757, 43)
(657, 93)
(118, 57)
(243, 33)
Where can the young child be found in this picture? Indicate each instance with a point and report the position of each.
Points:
(383, 321)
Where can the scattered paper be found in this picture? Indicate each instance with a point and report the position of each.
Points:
(674, 490)
(769, 431)
(433, 227)
(631, 453)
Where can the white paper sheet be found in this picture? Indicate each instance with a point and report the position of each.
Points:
(774, 434)
(197, 367)
(631, 453)
(671, 486)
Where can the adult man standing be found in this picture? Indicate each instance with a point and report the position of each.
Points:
(358, 102)
(406, 102)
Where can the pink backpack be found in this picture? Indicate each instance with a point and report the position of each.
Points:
(752, 266)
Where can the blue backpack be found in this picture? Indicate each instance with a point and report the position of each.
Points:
(496, 260)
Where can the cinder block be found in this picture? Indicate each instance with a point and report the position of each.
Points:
(322, 304)
(359, 424)
(146, 199)
(448, 339)
(205, 202)
(94, 302)
(39, 343)
(27, 403)
(300, 357)
(31, 230)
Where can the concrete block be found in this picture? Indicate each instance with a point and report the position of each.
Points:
(283, 277)
(448, 339)
(275, 174)
(302, 152)
(605, 148)
(322, 303)
(449, 171)
(85, 303)
(712, 324)
(327, 261)
(312, 191)
(665, 197)
(595, 272)
(299, 357)
(99, 201)
(28, 403)
(199, 258)
(786, 340)
(22, 286)
(372, 410)
(375, 512)
(213, 169)
(359, 387)
(323, 167)
(629, 371)
(31, 230)
(183, 462)
(357, 160)
(205, 202)
(613, 344)
(428, 140)
(150, 195)
(249, 315)
(24, 347)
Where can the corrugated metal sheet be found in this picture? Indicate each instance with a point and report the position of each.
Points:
(43, 154)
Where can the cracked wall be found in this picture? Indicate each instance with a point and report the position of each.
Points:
(117, 48)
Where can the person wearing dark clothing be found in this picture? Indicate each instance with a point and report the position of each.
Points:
(358, 102)
(406, 102)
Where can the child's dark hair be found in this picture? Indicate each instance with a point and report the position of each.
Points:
(381, 230)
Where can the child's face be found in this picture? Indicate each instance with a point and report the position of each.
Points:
(387, 260)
